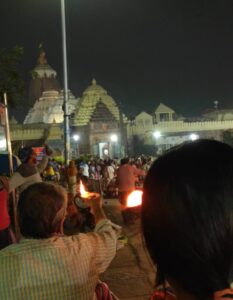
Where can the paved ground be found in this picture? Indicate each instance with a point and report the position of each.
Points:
(131, 273)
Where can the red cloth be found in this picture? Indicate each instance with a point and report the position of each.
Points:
(126, 177)
(4, 215)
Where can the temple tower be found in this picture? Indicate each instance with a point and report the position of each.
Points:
(43, 78)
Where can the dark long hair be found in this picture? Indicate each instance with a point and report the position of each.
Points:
(187, 216)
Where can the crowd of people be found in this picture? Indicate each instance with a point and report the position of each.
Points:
(186, 216)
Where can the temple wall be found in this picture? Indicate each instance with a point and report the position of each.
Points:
(179, 127)
(36, 132)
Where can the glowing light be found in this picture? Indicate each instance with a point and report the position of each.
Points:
(114, 138)
(157, 134)
(194, 137)
(3, 144)
(76, 137)
(83, 192)
(134, 199)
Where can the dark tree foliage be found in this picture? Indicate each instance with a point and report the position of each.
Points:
(140, 148)
(10, 79)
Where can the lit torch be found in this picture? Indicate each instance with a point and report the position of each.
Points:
(84, 194)
(134, 199)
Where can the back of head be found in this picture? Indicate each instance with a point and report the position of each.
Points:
(41, 209)
(187, 216)
(124, 161)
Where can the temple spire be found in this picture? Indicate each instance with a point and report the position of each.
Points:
(42, 56)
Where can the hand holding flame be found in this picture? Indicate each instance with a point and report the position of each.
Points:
(93, 200)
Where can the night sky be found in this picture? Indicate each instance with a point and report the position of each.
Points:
(179, 52)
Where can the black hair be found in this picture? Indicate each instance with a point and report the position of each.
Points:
(38, 209)
(187, 216)
(124, 161)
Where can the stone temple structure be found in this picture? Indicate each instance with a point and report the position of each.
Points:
(48, 108)
(95, 117)
(99, 123)
(43, 79)
(98, 127)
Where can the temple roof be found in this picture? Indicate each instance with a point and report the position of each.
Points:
(162, 108)
(93, 95)
(94, 88)
(43, 69)
(43, 79)
(48, 108)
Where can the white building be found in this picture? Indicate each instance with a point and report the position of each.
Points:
(163, 131)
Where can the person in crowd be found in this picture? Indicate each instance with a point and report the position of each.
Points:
(29, 171)
(6, 234)
(49, 173)
(187, 220)
(56, 169)
(85, 169)
(126, 178)
(99, 168)
(110, 170)
(92, 170)
(72, 178)
(46, 264)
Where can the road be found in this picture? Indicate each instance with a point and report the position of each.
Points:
(131, 275)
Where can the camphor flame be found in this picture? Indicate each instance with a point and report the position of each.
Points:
(83, 192)
(134, 199)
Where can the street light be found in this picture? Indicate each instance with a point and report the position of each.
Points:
(114, 138)
(193, 137)
(76, 137)
(157, 134)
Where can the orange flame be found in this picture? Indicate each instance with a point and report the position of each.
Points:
(134, 199)
(83, 192)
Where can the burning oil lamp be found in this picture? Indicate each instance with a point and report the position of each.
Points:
(134, 199)
(83, 193)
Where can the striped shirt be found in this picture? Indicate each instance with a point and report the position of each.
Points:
(64, 267)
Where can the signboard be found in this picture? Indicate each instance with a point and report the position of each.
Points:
(40, 152)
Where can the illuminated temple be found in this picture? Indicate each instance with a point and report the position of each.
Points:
(99, 126)
(97, 120)
(95, 117)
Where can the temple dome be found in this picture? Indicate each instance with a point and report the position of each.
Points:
(94, 88)
(93, 95)
(45, 70)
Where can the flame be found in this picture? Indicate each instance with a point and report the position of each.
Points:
(82, 190)
(134, 199)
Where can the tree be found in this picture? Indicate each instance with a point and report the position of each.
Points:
(138, 147)
(10, 79)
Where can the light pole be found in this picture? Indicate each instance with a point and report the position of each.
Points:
(157, 135)
(114, 140)
(76, 138)
(65, 78)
